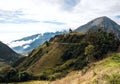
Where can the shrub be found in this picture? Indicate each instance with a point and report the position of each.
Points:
(24, 76)
(89, 52)
(57, 75)
(43, 76)
(103, 42)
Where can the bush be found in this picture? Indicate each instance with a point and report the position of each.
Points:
(57, 75)
(16, 76)
(89, 52)
(24, 76)
(9, 76)
(1, 79)
(80, 63)
(43, 76)
(103, 42)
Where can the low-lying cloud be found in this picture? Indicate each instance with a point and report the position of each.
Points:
(22, 43)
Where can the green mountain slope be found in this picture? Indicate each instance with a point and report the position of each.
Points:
(106, 71)
(68, 52)
(62, 55)
(49, 55)
(7, 55)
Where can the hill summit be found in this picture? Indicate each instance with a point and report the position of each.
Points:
(104, 23)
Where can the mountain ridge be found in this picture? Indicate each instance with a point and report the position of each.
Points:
(104, 23)
(65, 53)
(27, 44)
(7, 55)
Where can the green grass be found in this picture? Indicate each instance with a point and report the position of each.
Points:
(56, 58)
(104, 71)
(113, 61)
(109, 70)
(114, 78)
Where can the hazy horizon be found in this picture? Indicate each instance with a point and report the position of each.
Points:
(21, 18)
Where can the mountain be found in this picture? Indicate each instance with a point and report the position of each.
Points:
(27, 44)
(66, 53)
(7, 55)
(104, 23)
(63, 54)
(105, 71)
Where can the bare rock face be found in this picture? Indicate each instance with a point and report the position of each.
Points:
(104, 23)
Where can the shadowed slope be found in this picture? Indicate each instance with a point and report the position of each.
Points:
(8, 55)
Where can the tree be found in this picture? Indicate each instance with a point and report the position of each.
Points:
(89, 52)
(70, 30)
(43, 76)
(47, 44)
(103, 42)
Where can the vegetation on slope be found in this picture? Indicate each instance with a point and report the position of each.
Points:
(63, 54)
(7, 55)
(106, 71)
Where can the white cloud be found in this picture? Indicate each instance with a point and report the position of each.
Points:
(71, 12)
(26, 46)
(23, 43)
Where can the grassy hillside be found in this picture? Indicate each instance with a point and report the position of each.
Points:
(106, 71)
(62, 55)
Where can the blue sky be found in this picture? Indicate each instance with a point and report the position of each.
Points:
(19, 18)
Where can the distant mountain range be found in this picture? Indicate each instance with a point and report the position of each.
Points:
(104, 23)
(27, 44)
(7, 55)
